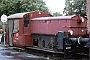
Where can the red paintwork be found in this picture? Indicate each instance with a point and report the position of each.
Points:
(23, 40)
(51, 25)
(23, 36)
(33, 15)
(38, 14)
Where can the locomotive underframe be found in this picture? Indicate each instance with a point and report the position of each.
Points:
(44, 41)
(59, 42)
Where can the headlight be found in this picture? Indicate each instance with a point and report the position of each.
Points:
(70, 32)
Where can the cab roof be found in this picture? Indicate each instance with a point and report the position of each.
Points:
(17, 15)
(52, 18)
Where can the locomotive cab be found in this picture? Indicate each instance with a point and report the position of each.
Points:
(19, 28)
(15, 34)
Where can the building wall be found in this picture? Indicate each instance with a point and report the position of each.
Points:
(88, 14)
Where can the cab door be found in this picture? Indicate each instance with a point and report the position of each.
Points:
(10, 31)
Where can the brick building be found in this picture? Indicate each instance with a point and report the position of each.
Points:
(88, 14)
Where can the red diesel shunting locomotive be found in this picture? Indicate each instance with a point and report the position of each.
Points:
(63, 33)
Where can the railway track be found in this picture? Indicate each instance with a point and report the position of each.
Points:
(50, 55)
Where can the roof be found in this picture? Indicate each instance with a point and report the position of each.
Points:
(49, 18)
(17, 15)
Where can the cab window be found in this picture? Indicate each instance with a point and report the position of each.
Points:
(26, 21)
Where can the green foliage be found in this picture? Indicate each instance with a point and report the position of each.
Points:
(9, 7)
(75, 7)
(1, 27)
(57, 14)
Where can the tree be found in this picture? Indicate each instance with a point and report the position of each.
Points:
(75, 7)
(42, 7)
(57, 14)
(9, 7)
